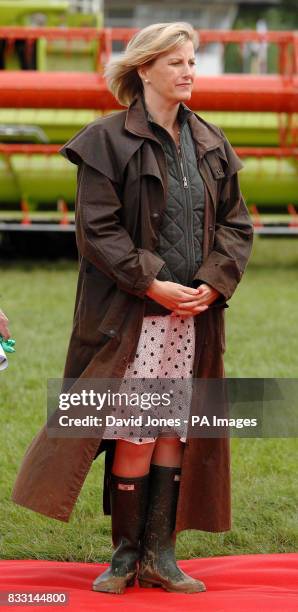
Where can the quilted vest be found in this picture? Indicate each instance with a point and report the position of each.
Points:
(181, 230)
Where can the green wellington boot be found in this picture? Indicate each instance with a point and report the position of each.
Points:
(129, 497)
(158, 563)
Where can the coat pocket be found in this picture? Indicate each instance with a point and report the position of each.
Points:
(97, 292)
(216, 163)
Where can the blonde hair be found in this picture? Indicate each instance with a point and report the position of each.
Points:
(144, 47)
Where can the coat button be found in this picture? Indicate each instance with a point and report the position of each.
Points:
(155, 215)
(112, 332)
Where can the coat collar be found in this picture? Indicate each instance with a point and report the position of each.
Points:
(183, 113)
(204, 133)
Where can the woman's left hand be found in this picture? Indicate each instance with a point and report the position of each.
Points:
(205, 296)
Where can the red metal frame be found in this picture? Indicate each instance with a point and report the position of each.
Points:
(52, 149)
(257, 221)
(286, 41)
(26, 212)
(247, 92)
(294, 215)
(82, 90)
(63, 209)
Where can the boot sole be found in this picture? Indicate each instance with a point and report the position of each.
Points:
(119, 591)
(147, 584)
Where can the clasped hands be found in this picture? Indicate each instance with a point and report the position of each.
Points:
(180, 299)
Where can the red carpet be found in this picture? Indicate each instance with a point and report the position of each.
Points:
(244, 583)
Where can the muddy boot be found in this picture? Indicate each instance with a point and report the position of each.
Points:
(158, 563)
(129, 498)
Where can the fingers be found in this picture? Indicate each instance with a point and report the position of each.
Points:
(183, 300)
(202, 301)
(198, 300)
(190, 312)
(185, 297)
(189, 294)
(4, 331)
(205, 296)
(187, 291)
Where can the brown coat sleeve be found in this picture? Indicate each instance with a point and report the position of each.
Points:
(233, 237)
(103, 241)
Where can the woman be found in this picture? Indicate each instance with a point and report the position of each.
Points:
(164, 237)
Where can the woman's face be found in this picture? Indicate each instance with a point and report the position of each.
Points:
(172, 74)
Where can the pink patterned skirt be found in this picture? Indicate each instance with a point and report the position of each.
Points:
(165, 349)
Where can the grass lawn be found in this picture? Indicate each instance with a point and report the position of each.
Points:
(261, 342)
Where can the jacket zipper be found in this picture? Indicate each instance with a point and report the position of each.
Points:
(184, 178)
(189, 212)
(191, 253)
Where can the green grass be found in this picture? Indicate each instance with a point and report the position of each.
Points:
(261, 342)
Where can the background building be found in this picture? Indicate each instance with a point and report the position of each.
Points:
(217, 14)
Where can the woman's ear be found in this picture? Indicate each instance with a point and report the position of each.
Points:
(141, 73)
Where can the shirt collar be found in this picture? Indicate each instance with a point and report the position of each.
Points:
(206, 135)
(183, 113)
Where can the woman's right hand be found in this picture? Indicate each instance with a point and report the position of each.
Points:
(173, 296)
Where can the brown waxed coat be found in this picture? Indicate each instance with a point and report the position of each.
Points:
(121, 194)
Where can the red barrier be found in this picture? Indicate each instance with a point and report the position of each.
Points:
(31, 89)
(52, 149)
(286, 41)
